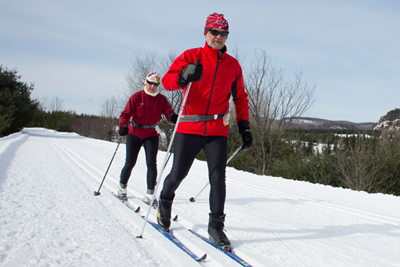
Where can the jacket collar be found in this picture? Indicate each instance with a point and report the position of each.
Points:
(152, 94)
(214, 51)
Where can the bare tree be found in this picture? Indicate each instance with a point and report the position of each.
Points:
(110, 114)
(109, 108)
(389, 149)
(43, 104)
(174, 97)
(141, 65)
(275, 100)
(53, 105)
(56, 104)
(359, 164)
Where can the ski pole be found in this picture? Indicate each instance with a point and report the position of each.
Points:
(167, 155)
(96, 193)
(193, 199)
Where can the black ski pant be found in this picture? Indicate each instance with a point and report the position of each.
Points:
(133, 145)
(186, 147)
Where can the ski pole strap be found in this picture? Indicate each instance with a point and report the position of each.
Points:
(134, 124)
(198, 118)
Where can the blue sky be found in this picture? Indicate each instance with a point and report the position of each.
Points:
(81, 51)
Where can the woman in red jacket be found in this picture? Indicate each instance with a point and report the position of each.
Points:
(204, 120)
(139, 121)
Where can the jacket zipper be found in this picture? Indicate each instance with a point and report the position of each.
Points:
(212, 89)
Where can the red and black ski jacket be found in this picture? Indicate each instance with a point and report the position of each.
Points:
(222, 78)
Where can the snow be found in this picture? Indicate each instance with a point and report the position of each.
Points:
(389, 125)
(49, 215)
(303, 121)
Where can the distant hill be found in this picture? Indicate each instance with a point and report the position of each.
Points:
(392, 115)
(389, 122)
(316, 123)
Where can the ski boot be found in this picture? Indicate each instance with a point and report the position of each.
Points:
(164, 214)
(149, 196)
(122, 191)
(216, 232)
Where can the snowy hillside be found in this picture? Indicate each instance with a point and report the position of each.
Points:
(316, 123)
(388, 125)
(49, 215)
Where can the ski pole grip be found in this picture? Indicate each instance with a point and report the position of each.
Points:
(197, 62)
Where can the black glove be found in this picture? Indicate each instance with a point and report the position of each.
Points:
(173, 118)
(123, 130)
(192, 73)
(244, 130)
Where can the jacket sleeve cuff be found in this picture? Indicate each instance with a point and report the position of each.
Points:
(181, 81)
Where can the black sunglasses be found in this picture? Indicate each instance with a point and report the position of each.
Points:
(156, 84)
(215, 33)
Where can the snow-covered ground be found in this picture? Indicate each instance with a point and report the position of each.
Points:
(49, 215)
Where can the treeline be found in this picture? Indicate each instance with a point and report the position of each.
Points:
(18, 110)
(359, 160)
(86, 125)
(368, 161)
(364, 161)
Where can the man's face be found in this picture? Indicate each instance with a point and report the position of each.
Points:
(218, 41)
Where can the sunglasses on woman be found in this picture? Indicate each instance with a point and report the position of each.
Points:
(216, 33)
(156, 84)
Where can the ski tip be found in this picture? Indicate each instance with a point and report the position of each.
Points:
(202, 258)
(175, 218)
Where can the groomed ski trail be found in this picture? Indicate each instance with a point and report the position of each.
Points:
(76, 161)
(270, 221)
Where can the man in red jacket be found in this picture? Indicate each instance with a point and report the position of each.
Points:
(204, 120)
(139, 121)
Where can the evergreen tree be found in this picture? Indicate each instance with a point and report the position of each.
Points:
(16, 107)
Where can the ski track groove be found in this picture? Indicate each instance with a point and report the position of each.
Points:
(242, 252)
(58, 241)
(87, 167)
(60, 152)
(84, 165)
